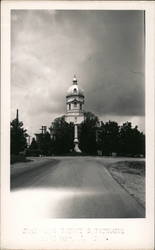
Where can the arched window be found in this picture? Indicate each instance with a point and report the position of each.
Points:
(69, 106)
(75, 91)
(75, 104)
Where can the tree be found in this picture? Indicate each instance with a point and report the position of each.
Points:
(109, 137)
(33, 145)
(18, 137)
(87, 135)
(33, 149)
(45, 143)
(63, 135)
(131, 141)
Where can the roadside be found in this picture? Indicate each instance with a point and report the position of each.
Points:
(130, 174)
(33, 162)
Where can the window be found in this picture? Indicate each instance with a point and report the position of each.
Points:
(69, 106)
(75, 91)
(75, 104)
(81, 106)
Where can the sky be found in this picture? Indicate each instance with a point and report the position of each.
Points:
(104, 48)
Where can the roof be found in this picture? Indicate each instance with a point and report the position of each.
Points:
(74, 90)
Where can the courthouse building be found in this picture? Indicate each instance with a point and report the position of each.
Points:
(74, 110)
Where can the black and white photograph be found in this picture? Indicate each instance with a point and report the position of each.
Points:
(78, 126)
(78, 118)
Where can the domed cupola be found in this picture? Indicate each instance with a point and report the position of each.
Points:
(74, 101)
(74, 89)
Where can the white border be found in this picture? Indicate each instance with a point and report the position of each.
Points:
(139, 233)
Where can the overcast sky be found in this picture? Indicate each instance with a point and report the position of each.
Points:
(105, 49)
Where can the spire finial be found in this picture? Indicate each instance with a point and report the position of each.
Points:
(17, 116)
(74, 80)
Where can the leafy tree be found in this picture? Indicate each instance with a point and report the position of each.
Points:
(18, 137)
(33, 149)
(109, 137)
(33, 145)
(87, 135)
(45, 144)
(124, 140)
(132, 141)
(63, 136)
(142, 144)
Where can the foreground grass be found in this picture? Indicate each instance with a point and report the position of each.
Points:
(130, 175)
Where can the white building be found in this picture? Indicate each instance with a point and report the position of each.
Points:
(74, 109)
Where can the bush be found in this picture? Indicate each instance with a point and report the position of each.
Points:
(33, 152)
(18, 158)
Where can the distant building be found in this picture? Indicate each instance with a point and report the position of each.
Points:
(74, 103)
(75, 100)
(74, 109)
(43, 132)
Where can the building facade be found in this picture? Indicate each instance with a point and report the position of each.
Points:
(74, 103)
(74, 109)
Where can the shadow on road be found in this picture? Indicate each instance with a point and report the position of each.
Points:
(69, 188)
(28, 178)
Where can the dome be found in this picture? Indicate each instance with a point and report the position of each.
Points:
(75, 90)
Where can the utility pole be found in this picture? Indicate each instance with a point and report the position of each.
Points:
(43, 129)
(29, 139)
